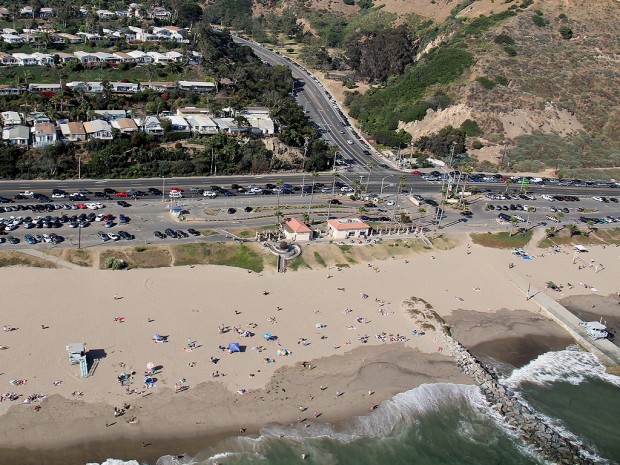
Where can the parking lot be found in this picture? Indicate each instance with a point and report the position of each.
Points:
(91, 218)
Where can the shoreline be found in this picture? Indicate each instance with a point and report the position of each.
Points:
(320, 316)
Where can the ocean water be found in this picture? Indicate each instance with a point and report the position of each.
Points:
(445, 424)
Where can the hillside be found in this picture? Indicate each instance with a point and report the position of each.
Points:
(538, 77)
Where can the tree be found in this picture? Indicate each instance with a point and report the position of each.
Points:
(421, 212)
(573, 229)
(559, 216)
(551, 232)
(335, 175)
(508, 182)
(513, 223)
(314, 176)
(566, 32)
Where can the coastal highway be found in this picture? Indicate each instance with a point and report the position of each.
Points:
(313, 97)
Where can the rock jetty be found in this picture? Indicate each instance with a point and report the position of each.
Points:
(549, 443)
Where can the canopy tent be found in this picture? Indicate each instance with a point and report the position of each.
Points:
(234, 347)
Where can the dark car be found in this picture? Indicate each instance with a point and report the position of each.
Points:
(467, 213)
(248, 209)
(30, 239)
(107, 190)
(228, 194)
(125, 235)
(123, 204)
(232, 210)
(158, 235)
(193, 232)
(12, 240)
(154, 191)
(182, 234)
(334, 201)
(171, 233)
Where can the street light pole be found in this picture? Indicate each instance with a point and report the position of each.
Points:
(382, 180)
(79, 167)
(163, 187)
(79, 236)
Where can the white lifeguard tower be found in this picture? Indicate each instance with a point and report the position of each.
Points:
(77, 355)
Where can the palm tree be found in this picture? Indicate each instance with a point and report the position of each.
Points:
(356, 187)
(278, 215)
(513, 223)
(329, 204)
(468, 170)
(508, 182)
(573, 229)
(421, 212)
(314, 176)
(551, 232)
(361, 209)
(559, 216)
(306, 218)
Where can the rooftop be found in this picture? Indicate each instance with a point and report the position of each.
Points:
(295, 225)
(347, 224)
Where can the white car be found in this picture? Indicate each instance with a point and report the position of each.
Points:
(346, 189)
(27, 194)
(114, 237)
(256, 190)
(548, 197)
(519, 218)
(597, 198)
(58, 196)
(210, 194)
(99, 217)
(349, 141)
(390, 203)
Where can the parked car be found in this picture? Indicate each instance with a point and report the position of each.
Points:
(159, 235)
(125, 235)
(123, 204)
(114, 237)
(193, 232)
(103, 236)
(171, 233)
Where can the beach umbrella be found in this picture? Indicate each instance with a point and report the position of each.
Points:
(234, 347)
(150, 366)
(319, 325)
(267, 336)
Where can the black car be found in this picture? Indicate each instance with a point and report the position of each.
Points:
(182, 234)
(12, 240)
(154, 191)
(171, 233)
(248, 209)
(158, 235)
(125, 235)
(467, 213)
(108, 190)
(123, 204)
(232, 210)
(270, 186)
(334, 201)
(193, 232)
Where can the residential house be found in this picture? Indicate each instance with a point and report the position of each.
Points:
(110, 115)
(125, 58)
(11, 118)
(160, 13)
(170, 33)
(122, 13)
(202, 124)
(25, 59)
(108, 58)
(17, 135)
(125, 125)
(43, 59)
(73, 131)
(6, 89)
(12, 39)
(186, 111)
(77, 86)
(195, 58)
(8, 30)
(178, 123)
(296, 230)
(66, 57)
(26, 12)
(135, 29)
(83, 11)
(157, 86)
(174, 57)
(36, 117)
(86, 58)
(197, 86)
(145, 36)
(4, 13)
(105, 14)
(7, 60)
(261, 126)
(140, 56)
(98, 129)
(150, 125)
(45, 13)
(343, 228)
(159, 58)
(94, 87)
(70, 38)
(54, 88)
(88, 37)
(229, 126)
(125, 87)
(44, 134)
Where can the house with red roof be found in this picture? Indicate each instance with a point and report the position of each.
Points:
(296, 230)
(343, 228)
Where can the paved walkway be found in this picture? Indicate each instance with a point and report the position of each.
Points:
(605, 350)
(51, 258)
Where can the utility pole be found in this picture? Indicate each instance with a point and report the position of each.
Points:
(79, 167)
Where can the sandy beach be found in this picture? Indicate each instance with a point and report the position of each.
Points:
(363, 344)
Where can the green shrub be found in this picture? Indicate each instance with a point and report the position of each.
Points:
(486, 82)
(502, 80)
(113, 263)
(540, 21)
(416, 112)
(510, 51)
(477, 145)
(471, 128)
(563, 17)
(566, 32)
(504, 39)
(139, 248)
(349, 2)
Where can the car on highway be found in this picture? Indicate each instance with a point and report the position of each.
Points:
(153, 191)
(58, 196)
(193, 232)
(416, 172)
(171, 233)
(228, 194)
(349, 141)
(122, 194)
(346, 189)
(210, 194)
(159, 235)
(176, 189)
(196, 190)
(175, 195)
(232, 210)
(334, 202)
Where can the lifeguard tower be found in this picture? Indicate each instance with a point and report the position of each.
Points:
(77, 355)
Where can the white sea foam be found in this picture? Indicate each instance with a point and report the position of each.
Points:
(116, 462)
(571, 366)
